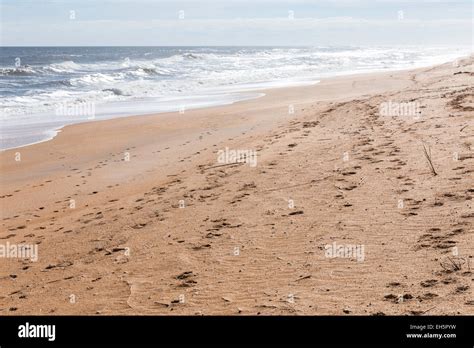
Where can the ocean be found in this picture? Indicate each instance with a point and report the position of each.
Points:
(45, 88)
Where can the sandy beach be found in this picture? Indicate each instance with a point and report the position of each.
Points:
(137, 215)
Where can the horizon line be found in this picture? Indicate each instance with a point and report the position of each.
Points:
(286, 46)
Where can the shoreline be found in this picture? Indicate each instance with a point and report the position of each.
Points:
(261, 91)
(55, 131)
(133, 214)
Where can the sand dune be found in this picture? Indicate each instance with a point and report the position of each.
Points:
(137, 215)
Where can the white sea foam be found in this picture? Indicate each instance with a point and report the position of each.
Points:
(64, 67)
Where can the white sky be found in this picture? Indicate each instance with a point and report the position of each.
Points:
(235, 22)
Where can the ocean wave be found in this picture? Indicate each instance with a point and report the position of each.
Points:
(192, 56)
(20, 71)
(148, 70)
(115, 91)
(119, 75)
(50, 84)
(187, 57)
(64, 67)
(61, 68)
(97, 78)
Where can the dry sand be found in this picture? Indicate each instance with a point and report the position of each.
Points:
(125, 246)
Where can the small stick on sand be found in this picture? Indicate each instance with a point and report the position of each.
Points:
(424, 312)
(222, 165)
(427, 153)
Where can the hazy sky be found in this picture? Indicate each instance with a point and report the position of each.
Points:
(235, 22)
